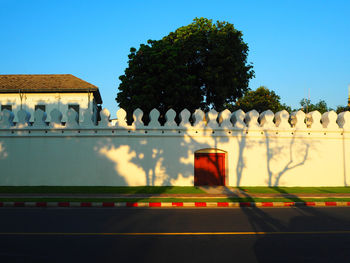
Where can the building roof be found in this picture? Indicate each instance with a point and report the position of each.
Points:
(47, 83)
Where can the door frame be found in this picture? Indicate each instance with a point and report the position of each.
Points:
(213, 150)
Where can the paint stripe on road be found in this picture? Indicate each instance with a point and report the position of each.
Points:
(172, 233)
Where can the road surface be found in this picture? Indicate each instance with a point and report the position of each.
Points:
(298, 234)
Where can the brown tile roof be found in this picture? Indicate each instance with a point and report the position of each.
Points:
(46, 83)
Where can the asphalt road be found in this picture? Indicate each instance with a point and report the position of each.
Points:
(300, 234)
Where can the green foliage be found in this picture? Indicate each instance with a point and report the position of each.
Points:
(342, 108)
(307, 106)
(261, 100)
(201, 65)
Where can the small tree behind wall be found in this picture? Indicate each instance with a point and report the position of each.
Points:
(320, 106)
(261, 99)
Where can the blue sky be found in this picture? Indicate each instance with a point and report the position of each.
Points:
(296, 47)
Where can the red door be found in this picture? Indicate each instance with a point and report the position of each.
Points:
(209, 169)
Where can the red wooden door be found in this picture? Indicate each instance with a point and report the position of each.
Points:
(209, 169)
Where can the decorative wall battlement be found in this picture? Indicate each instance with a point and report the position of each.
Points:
(211, 120)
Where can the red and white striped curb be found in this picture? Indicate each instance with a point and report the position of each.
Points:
(170, 204)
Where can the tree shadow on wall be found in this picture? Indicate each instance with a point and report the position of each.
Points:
(242, 145)
(297, 156)
(213, 141)
(53, 153)
(158, 157)
(104, 155)
(281, 157)
(344, 160)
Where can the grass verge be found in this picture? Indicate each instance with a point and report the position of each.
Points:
(100, 190)
(295, 190)
(159, 190)
(116, 200)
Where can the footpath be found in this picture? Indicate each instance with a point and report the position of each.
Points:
(211, 197)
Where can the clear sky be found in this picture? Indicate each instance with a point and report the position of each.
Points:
(295, 46)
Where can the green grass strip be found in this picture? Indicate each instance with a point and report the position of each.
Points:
(116, 200)
(100, 190)
(295, 190)
(160, 190)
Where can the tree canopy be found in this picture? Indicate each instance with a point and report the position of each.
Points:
(201, 65)
(261, 99)
(320, 106)
(342, 108)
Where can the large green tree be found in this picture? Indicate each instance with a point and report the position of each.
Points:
(201, 65)
(261, 99)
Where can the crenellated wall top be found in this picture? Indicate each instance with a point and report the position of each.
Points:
(211, 120)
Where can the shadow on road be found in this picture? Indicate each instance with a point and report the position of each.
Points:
(296, 247)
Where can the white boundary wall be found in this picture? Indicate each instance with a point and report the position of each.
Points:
(261, 150)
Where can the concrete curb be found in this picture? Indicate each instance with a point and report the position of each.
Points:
(171, 204)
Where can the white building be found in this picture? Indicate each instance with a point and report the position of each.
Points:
(47, 92)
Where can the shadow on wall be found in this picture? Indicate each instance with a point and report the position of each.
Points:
(157, 155)
(345, 156)
(52, 152)
(297, 155)
(281, 153)
(275, 168)
(85, 154)
(156, 158)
